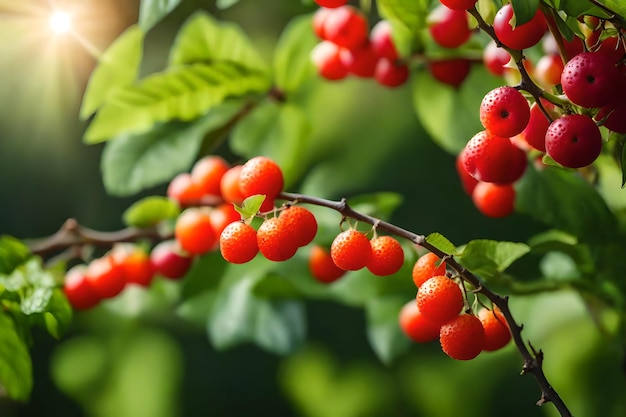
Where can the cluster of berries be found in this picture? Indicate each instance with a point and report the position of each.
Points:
(436, 313)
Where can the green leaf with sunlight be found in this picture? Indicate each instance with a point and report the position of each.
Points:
(380, 205)
(117, 67)
(576, 8)
(442, 243)
(150, 211)
(383, 332)
(13, 253)
(15, 364)
(225, 4)
(412, 13)
(152, 12)
(292, 57)
(524, 10)
(182, 93)
(204, 39)
(564, 201)
(487, 258)
(280, 131)
(450, 115)
(131, 163)
(250, 206)
(617, 6)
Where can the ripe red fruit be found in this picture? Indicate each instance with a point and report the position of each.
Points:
(300, 223)
(207, 174)
(535, 131)
(322, 266)
(463, 337)
(387, 256)
(589, 79)
(229, 185)
(346, 26)
(449, 28)
(184, 190)
(459, 4)
(351, 250)
(493, 159)
(169, 260)
(450, 71)
(497, 333)
(275, 240)
(318, 20)
(194, 231)
(326, 56)
(105, 276)
(361, 61)
(439, 299)
(415, 325)
(573, 141)
(238, 243)
(382, 41)
(221, 216)
(78, 289)
(135, 264)
(495, 58)
(331, 3)
(261, 175)
(390, 73)
(504, 111)
(614, 116)
(521, 36)
(467, 181)
(548, 70)
(494, 200)
(426, 267)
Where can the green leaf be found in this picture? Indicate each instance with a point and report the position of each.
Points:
(275, 286)
(292, 57)
(383, 331)
(225, 4)
(12, 253)
(616, 6)
(250, 206)
(278, 131)
(412, 13)
(524, 10)
(381, 205)
(205, 275)
(150, 211)
(15, 364)
(152, 12)
(487, 258)
(36, 300)
(203, 39)
(576, 8)
(131, 163)
(58, 314)
(447, 114)
(442, 243)
(117, 67)
(565, 201)
(182, 93)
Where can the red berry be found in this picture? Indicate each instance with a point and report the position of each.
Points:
(275, 240)
(300, 223)
(449, 28)
(589, 79)
(261, 175)
(439, 299)
(169, 260)
(318, 21)
(614, 116)
(548, 70)
(238, 243)
(493, 159)
(463, 337)
(382, 41)
(105, 276)
(351, 250)
(504, 112)
(135, 264)
(521, 36)
(207, 174)
(194, 231)
(535, 131)
(184, 190)
(360, 62)
(497, 333)
(387, 256)
(322, 266)
(459, 4)
(79, 290)
(326, 56)
(390, 73)
(331, 3)
(467, 181)
(346, 26)
(415, 325)
(229, 185)
(221, 216)
(573, 141)
(426, 267)
(451, 71)
(495, 58)
(494, 200)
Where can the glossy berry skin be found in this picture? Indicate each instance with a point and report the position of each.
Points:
(207, 174)
(463, 337)
(573, 141)
(415, 325)
(184, 190)
(535, 131)
(589, 79)
(346, 26)
(426, 267)
(135, 264)
(459, 4)
(78, 290)
(169, 260)
(351, 250)
(275, 241)
(390, 74)
(497, 333)
(300, 223)
(330, 3)
(387, 256)
(326, 57)
(439, 299)
(450, 71)
(494, 200)
(361, 61)
(105, 276)
(449, 28)
(467, 181)
(261, 175)
(522, 36)
(504, 112)
(614, 116)
(495, 58)
(548, 70)
(322, 266)
(318, 20)
(382, 41)
(229, 185)
(238, 243)
(194, 231)
(493, 159)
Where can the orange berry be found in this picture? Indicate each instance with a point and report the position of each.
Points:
(275, 240)
(238, 243)
(194, 231)
(105, 276)
(229, 185)
(183, 190)
(439, 299)
(497, 333)
(415, 325)
(426, 267)
(322, 266)
(223, 215)
(207, 174)
(463, 337)
(351, 250)
(135, 263)
(387, 256)
(301, 223)
(261, 175)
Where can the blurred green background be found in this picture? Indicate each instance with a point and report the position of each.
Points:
(133, 358)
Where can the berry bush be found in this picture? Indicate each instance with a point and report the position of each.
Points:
(251, 196)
